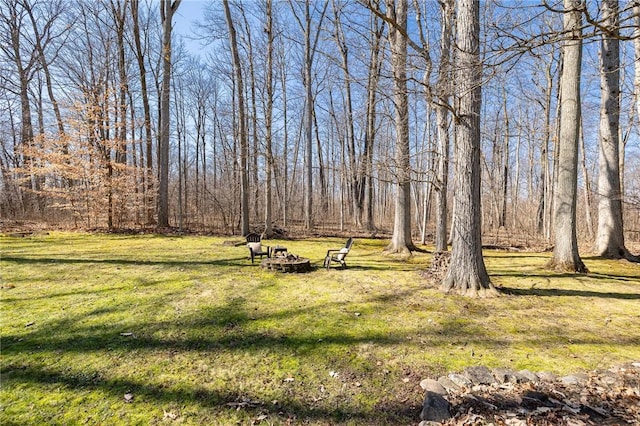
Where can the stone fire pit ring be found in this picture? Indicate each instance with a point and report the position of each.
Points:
(288, 263)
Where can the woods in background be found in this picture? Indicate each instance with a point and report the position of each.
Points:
(326, 115)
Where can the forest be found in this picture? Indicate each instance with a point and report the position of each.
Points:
(153, 152)
(396, 117)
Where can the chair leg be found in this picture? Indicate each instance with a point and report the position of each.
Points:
(327, 262)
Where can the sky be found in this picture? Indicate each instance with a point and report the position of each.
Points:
(184, 21)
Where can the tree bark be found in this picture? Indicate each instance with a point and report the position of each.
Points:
(167, 9)
(565, 254)
(12, 19)
(610, 239)
(467, 274)
(636, 56)
(442, 119)
(401, 238)
(586, 188)
(366, 176)
(545, 178)
(242, 122)
(139, 53)
(268, 117)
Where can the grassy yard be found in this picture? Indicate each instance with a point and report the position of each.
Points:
(193, 333)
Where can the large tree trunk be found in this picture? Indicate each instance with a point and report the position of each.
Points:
(442, 119)
(610, 238)
(167, 9)
(467, 274)
(242, 123)
(401, 238)
(565, 254)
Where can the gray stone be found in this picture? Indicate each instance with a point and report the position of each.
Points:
(435, 408)
(505, 375)
(546, 376)
(609, 379)
(448, 384)
(575, 379)
(527, 376)
(460, 380)
(479, 375)
(434, 386)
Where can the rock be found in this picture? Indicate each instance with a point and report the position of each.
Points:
(531, 400)
(479, 375)
(505, 375)
(460, 380)
(574, 379)
(435, 408)
(609, 379)
(526, 376)
(434, 386)
(545, 376)
(526, 398)
(448, 384)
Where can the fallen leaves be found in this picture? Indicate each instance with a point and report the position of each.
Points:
(608, 397)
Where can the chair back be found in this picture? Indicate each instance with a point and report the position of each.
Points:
(253, 238)
(345, 250)
(349, 244)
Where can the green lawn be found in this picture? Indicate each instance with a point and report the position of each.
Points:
(198, 335)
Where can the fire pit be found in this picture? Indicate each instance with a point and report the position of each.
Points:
(288, 263)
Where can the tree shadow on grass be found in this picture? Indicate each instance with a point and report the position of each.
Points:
(558, 292)
(220, 329)
(234, 261)
(548, 274)
(388, 413)
(209, 330)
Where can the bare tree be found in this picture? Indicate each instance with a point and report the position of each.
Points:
(401, 239)
(443, 88)
(610, 239)
(167, 9)
(467, 274)
(15, 46)
(242, 121)
(268, 121)
(565, 254)
(140, 59)
(311, 37)
(343, 48)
